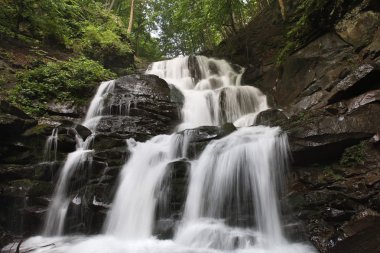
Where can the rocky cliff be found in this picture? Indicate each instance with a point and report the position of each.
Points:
(328, 91)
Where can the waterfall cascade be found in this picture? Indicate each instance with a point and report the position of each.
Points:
(56, 215)
(233, 186)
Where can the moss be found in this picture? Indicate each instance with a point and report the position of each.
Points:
(69, 81)
(329, 175)
(354, 155)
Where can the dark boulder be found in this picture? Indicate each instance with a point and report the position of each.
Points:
(140, 107)
(270, 117)
(200, 137)
(13, 125)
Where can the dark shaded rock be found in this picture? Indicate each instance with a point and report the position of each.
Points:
(66, 143)
(200, 137)
(171, 198)
(67, 109)
(140, 107)
(7, 108)
(363, 236)
(195, 71)
(365, 78)
(309, 70)
(358, 27)
(14, 172)
(333, 214)
(103, 142)
(366, 98)
(11, 125)
(321, 136)
(176, 95)
(270, 117)
(70, 128)
(165, 228)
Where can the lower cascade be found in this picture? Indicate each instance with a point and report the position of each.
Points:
(232, 188)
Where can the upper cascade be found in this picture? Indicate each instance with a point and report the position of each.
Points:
(212, 90)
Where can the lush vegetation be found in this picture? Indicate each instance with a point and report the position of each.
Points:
(71, 81)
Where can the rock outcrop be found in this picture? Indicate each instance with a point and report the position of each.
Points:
(329, 93)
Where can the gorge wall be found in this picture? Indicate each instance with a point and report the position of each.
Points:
(329, 90)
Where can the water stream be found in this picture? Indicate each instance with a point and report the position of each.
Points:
(233, 186)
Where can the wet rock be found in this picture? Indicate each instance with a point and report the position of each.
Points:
(372, 51)
(270, 117)
(363, 79)
(366, 98)
(333, 214)
(176, 95)
(66, 143)
(71, 128)
(103, 142)
(11, 125)
(140, 107)
(301, 71)
(363, 236)
(194, 68)
(357, 27)
(200, 137)
(14, 172)
(67, 109)
(319, 135)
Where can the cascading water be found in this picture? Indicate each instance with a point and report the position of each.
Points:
(234, 185)
(56, 215)
(212, 90)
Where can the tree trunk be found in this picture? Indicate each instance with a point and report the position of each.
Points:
(282, 7)
(110, 7)
(130, 25)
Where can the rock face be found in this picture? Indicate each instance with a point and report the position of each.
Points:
(141, 108)
(329, 89)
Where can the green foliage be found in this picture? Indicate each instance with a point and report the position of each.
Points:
(84, 26)
(98, 43)
(188, 27)
(73, 80)
(354, 155)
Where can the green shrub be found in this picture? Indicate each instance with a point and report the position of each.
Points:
(73, 80)
(98, 43)
(354, 155)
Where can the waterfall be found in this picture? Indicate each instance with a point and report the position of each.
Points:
(237, 179)
(212, 90)
(234, 185)
(56, 214)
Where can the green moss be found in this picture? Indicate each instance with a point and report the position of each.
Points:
(354, 155)
(328, 175)
(71, 81)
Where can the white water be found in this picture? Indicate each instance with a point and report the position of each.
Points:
(215, 99)
(57, 211)
(234, 185)
(51, 146)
